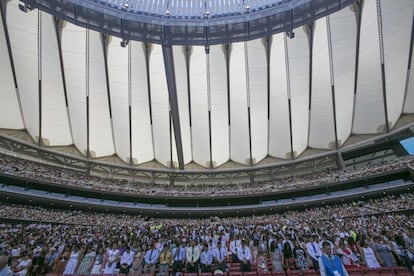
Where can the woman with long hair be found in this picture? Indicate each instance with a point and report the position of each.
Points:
(276, 256)
(288, 258)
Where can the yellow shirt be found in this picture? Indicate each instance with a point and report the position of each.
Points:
(165, 257)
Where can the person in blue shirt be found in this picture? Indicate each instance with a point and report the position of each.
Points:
(151, 258)
(330, 265)
(178, 257)
(220, 255)
(206, 259)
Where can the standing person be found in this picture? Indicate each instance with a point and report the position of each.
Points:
(178, 257)
(50, 259)
(87, 261)
(234, 247)
(38, 261)
(276, 256)
(244, 255)
(206, 259)
(349, 259)
(300, 256)
(192, 257)
(220, 254)
(112, 255)
(165, 260)
(24, 265)
(354, 247)
(126, 260)
(97, 265)
(261, 261)
(384, 252)
(314, 251)
(330, 265)
(369, 256)
(255, 252)
(4, 268)
(60, 262)
(151, 258)
(288, 259)
(73, 261)
(138, 264)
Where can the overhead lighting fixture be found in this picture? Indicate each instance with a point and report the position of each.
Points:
(124, 43)
(25, 7)
(167, 12)
(290, 34)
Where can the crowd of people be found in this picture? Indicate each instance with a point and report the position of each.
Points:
(372, 233)
(72, 217)
(58, 175)
(386, 204)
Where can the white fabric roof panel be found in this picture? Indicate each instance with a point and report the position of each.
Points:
(142, 136)
(239, 128)
(55, 123)
(74, 62)
(100, 128)
(199, 106)
(396, 22)
(220, 139)
(257, 92)
(409, 92)
(279, 126)
(369, 110)
(322, 129)
(298, 52)
(343, 31)
(160, 107)
(10, 115)
(214, 77)
(118, 70)
(23, 33)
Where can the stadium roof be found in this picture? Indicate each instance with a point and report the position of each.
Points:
(274, 97)
(189, 22)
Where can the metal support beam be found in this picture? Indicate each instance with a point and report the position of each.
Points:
(173, 99)
(357, 7)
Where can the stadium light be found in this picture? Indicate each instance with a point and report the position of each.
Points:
(290, 34)
(24, 7)
(124, 43)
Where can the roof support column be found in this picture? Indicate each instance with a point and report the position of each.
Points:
(172, 95)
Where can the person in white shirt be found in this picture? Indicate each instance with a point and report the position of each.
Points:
(192, 257)
(244, 255)
(126, 260)
(314, 251)
(329, 264)
(234, 246)
(23, 265)
(112, 257)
